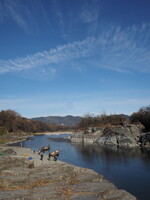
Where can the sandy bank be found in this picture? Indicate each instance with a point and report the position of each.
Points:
(55, 133)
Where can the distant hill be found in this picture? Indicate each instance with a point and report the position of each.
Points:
(68, 120)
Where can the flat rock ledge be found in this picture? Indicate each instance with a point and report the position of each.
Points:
(24, 179)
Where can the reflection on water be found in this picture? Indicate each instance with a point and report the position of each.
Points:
(111, 154)
(128, 169)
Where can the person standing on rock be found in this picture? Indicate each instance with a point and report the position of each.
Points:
(42, 155)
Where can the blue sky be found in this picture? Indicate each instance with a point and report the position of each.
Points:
(72, 57)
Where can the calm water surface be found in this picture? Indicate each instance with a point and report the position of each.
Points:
(127, 169)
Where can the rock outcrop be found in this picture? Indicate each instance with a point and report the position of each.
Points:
(56, 180)
(127, 136)
(145, 140)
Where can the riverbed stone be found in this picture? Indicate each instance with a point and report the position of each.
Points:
(56, 180)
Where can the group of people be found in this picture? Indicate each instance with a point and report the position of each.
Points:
(53, 154)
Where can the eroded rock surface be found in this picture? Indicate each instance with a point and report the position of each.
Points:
(124, 136)
(56, 180)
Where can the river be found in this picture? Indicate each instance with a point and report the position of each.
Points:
(128, 169)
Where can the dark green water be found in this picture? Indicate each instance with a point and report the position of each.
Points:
(128, 169)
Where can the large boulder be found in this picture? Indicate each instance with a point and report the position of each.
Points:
(126, 135)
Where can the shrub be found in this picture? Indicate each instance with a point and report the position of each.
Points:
(2, 130)
(142, 116)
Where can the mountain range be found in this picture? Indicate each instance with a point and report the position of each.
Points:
(68, 120)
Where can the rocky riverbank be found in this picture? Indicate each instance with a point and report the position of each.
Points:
(128, 135)
(23, 176)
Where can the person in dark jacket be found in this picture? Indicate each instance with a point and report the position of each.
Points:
(41, 156)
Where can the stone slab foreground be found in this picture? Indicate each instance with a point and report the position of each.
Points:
(53, 180)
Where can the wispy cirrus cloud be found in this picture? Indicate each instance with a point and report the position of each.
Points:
(89, 15)
(90, 11)
(24, 13)
(62, 53)
(125, 49)
(118, 49)
(13, 10)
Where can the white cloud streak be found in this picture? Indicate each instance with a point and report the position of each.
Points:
(125, 50)
(61, 53)
(122, 50)
(13, 10)
(25, 14)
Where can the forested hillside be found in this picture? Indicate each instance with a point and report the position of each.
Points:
(102, 120)
(11, 121)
